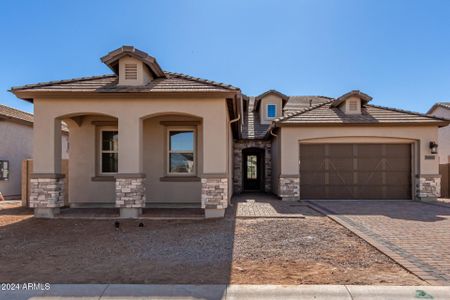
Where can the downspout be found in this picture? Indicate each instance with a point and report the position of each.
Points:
(232, 167)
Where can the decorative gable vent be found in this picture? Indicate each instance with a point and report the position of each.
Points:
(131, 71)
(353, 105)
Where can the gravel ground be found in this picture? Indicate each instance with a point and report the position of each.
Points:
(314, 250)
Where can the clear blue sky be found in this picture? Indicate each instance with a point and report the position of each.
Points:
(396, 51)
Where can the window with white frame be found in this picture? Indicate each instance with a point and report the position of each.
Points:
(109, 150)
(271, 111)
(181, 151)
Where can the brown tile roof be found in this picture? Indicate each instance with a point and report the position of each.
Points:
(324, 114)
(175, 82)
(297, 103)
(364, 97)
(112, 59)
(7, 112)
(445, 105)
(251, 125)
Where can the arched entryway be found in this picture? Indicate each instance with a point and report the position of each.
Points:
(253, 175)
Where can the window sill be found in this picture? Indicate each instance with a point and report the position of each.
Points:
(103, 178)
(180, 178)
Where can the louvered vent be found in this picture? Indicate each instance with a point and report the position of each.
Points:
(353, 105)
(130, 71)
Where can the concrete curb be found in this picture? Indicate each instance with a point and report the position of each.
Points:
(228, 292)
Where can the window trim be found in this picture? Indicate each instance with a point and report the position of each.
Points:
(100, 149)
(167, 151)
(267, 111)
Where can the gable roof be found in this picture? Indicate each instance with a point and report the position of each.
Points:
(252, 128)
(364, 97)
(445, 105)
(326, 114)
(173, 82)
(112, 60)
(7, 112)
(258, 98)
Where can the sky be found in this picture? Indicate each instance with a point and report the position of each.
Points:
(396, 51)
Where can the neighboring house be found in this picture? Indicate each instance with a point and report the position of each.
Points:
(16, 144)
(144, 137)
(442, 110)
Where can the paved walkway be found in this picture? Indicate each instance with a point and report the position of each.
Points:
(261, 205)
(414, 234)
(228, 292)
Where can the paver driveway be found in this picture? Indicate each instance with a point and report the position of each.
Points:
(415, 234)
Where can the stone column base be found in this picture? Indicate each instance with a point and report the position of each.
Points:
(289, 189)
(46, 194)
(130, 213)
(130, 194)
(214, 213)
(214, 193)
(428, 187)
(46, 212)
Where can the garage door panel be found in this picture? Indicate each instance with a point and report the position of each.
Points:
(312, 164)
(398, 150)
(399, 164)
(355, 171)
(314, 178)
(344, 164)
(369, 150)
(369, 178)
(312, 151)
(342, 178)
(369, 164)
(339, 150)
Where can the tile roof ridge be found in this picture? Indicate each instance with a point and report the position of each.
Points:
(16, 110)
(299, 112)
(46, 83)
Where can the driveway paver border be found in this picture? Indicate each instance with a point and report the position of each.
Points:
(402, 257)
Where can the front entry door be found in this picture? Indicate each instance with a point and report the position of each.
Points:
(253, 161)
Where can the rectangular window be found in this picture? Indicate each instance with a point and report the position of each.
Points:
(181, 154)
(109, 151)
(251, 167)
(271, 111)
(4, 170)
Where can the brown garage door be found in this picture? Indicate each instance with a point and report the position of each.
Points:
(355, 171)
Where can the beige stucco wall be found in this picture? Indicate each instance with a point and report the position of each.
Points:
(130, 113)
(276, 163)
(270, 99)
(82, 164)
(420, 135)
(444, 135)
(15, 146)
(155, 164)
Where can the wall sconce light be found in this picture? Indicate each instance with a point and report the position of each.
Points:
(433, 147)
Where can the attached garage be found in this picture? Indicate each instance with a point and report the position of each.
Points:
(355, 171)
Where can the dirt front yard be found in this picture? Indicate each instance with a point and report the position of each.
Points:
(313, 250)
